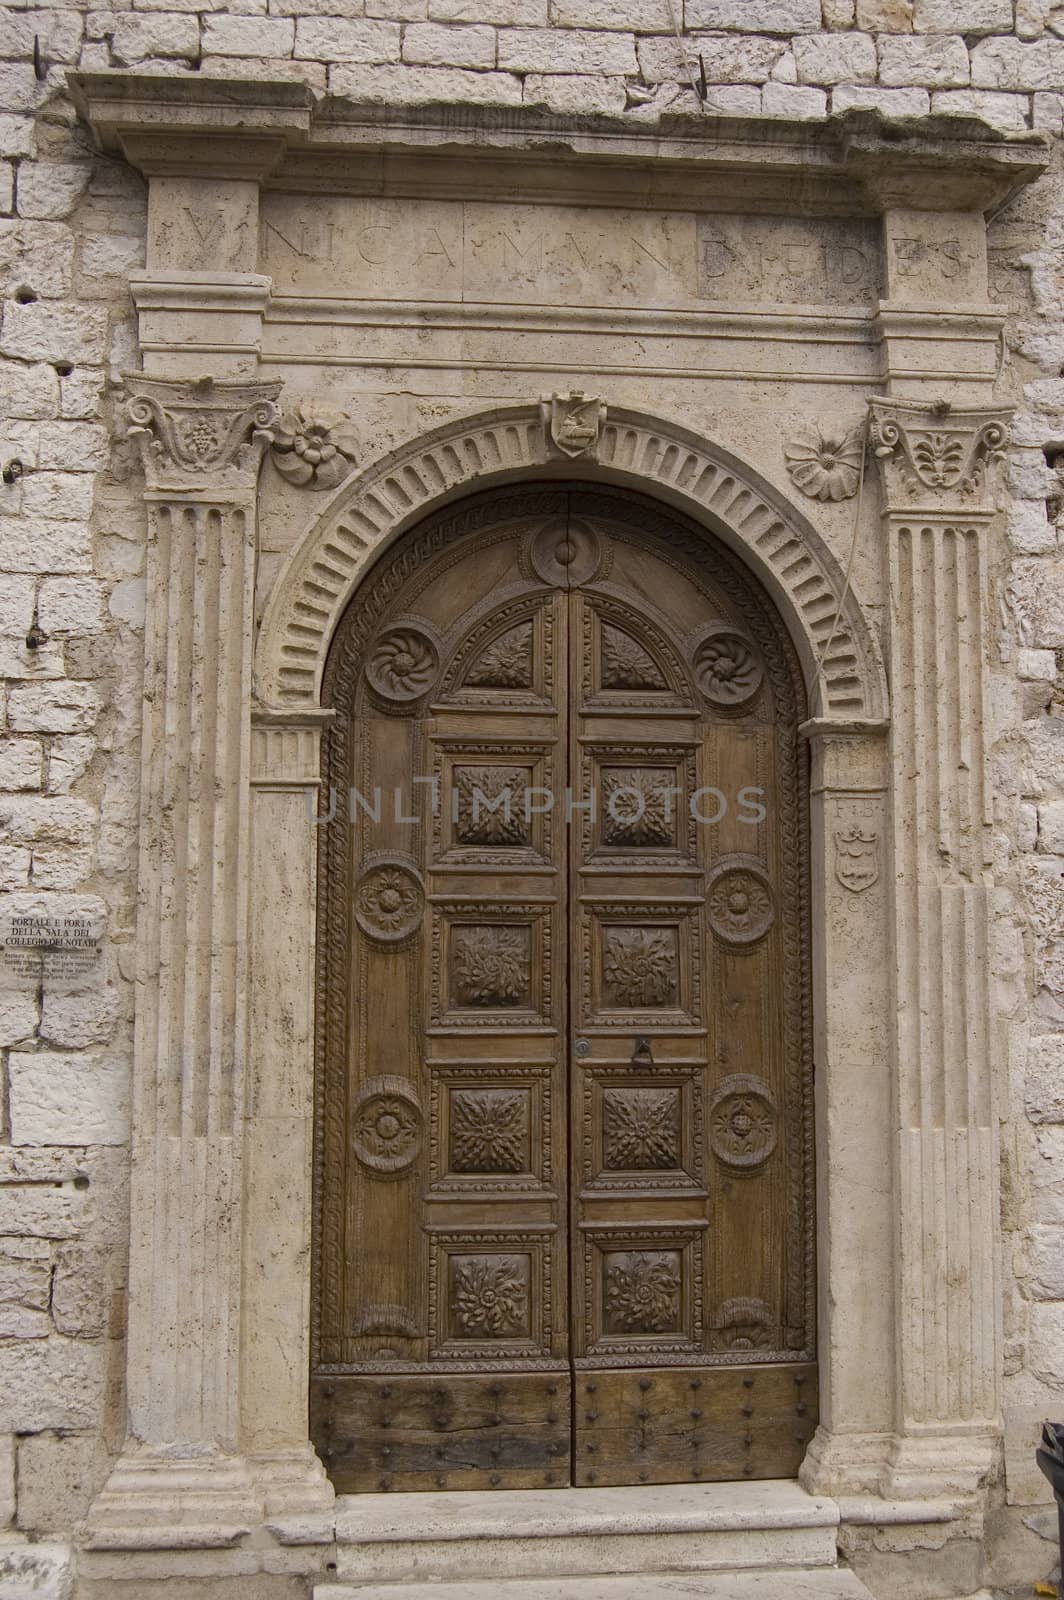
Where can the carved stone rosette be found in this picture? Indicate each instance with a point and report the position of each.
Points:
(939, 454)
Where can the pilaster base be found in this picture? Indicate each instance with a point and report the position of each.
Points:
(299, 1502)
(154, 1500)
(844, 1463)
(940, 1465)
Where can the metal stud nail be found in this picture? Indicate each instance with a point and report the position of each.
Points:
(748, 1383)
(695, 1414)
(646, 1383)
(747, 1411)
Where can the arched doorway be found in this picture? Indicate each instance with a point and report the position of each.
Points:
(564, 1226)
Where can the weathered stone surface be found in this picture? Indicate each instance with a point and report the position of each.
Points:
(41, 1213)
(642, 16)
(438, 44)
(59, 1475)
(160, 34)
(68, 707)
(1045, 1262)
(81, 1290)
(21, 763)
(345, 39)
(572, 50)
(425, 85)
(36, 1571)
(1009, 112)
(68, 757)
(891, 102)
(1045, 1078)
(828, 58)
(938, 61)
(26, 1273)
(18, 1017)
(728, 58)
(1011, 64)
(49, 1383)
(38, 256)
(58, 495)
(506, 13)
(28, 391)
(1037, 594)
(768, 16)
(52, 188)
(70, 605)
(1046, 1350)
(570, 92)
(43, 332)
(248, 36)
(61, 1099)
(789, 100)
(963, 16)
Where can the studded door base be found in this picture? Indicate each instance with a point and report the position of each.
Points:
(443, 1430)
(691, 1424)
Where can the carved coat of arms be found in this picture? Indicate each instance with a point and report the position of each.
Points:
(857, 859)
(574, 422)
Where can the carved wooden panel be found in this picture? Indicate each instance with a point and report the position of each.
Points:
(563, 1014)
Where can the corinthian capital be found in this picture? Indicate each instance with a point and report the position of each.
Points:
(938, 456)
(200, 436)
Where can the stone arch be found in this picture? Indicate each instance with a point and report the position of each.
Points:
(658, 457)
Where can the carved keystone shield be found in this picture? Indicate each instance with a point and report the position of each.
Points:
(857, 859)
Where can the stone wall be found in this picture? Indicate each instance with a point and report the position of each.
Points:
(71, 600)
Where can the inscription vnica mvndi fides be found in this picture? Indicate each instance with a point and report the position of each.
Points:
(461, 251)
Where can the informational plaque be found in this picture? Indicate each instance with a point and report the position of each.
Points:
(48, 947)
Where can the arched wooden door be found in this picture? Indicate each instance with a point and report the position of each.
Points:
(564, 1137)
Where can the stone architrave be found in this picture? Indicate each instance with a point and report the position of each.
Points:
(181, 1479)
(940, 466)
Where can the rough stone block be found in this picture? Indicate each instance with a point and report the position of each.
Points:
(70, 605)
(68, 1100)
(48, 819)
(1046, 1348)
(1045, 1262)
(18, 1322)
(15, 863)
(68, 758)
(346, 39)
(50, 1383)
(1011, 64)
(397, 10)
(16, 135)
(111, 255)
(767, 16)
(7, 1480)
(41, 1213)
(504, 13)
(79, 393)
(158, 34)
(21, 763)
(38, 256)
(26, 1273)
(248, 36)
(963, 16)
(728, 58)
(81, 1290)
(36, 1571)
(1038, 665)
(83, 1018)
(891, 102)
(572, 50)
(637, 16)
(126, 603)
(934, 61)
(828, 58)
(441, 44)
(73, 447)
(568, 92)
(1044, 1083)
(1029, 529)
(69, 707)
(51, 188)
(18, 1016)
(28, 391)
(1051, 826)
(312, 73)
(1009, 112)
(410, 86)
(1047, 113)
(43, 332)
(59, 30)
(59, 1476)
(1037, 592)
(839, 13)
(788, 100)
(59, 495)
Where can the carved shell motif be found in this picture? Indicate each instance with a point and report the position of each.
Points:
(314, 447)
(826, 466)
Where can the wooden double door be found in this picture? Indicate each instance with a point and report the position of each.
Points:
(564, 1124)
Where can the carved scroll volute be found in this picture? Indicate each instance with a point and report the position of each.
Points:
(200, 436)
(937, 455)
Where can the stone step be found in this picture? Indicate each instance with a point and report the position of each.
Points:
(836, 1583)
(415, 1538)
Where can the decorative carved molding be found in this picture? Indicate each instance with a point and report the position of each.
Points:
(573, 422)
(826, 466)
(314, 447)
(939, 454)
(644, 452)
(200, 436)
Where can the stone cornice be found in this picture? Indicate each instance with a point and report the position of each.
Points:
(939, 459)
(279, 132)
(200, 437)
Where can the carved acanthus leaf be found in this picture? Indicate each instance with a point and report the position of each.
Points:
(939, 454)
(201, 435)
